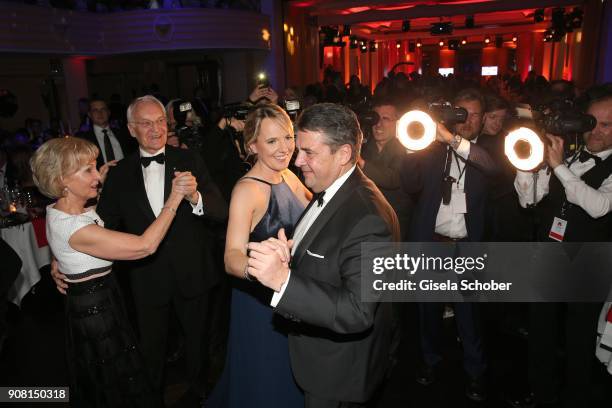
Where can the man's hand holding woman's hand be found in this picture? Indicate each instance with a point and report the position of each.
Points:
(269, 260)
(185, 185)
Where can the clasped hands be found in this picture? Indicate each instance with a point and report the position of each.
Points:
(186, 185)
(268, 261)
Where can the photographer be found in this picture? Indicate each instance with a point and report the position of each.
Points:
(573, 202)
(449, 180)
(381, 160)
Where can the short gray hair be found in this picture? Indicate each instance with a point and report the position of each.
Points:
(138, 101)
(337, 123)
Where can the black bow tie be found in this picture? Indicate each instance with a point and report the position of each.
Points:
(319, 198)
(160, 158)
(584, 156)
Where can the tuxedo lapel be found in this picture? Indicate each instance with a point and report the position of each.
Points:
(171, 161)
(328, 212)
(141, 192)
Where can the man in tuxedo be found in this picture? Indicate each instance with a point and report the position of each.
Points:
(114, 144)
(449, 181)
(573, 204)
(339, 346)
(180, 273)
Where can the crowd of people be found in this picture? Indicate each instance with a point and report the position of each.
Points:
(289, 203)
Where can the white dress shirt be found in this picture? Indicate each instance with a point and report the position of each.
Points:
(154, 176)
(306, 222)
(450, 221)
(98, 131)
(596, 203)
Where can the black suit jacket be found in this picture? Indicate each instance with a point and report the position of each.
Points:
(340, 348)
(421, 176)
(126, 141)
(183, 261)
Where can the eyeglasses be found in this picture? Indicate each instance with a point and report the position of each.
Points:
(148, 124)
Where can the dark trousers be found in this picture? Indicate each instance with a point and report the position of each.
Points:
(153, 321)
(11, 265)
(549, 323)
(310, 401)
(468, 327)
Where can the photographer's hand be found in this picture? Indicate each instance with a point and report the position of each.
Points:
(554, 152)
(443, 134)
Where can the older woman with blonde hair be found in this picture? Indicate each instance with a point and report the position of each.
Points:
(106, 368)
(269, 197)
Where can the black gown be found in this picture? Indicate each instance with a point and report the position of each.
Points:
(257, 372)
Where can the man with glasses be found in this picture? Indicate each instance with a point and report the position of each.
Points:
(114, 144)
(178, 276)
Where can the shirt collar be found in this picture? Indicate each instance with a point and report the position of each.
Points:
(99, 129)
(335, 186)
(145, 154)
(604, 154)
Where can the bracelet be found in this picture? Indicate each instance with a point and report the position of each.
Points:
(169, 208)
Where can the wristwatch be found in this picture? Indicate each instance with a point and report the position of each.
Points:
(456, 142)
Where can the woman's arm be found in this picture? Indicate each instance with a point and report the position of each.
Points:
(245, 199)
(107, 244)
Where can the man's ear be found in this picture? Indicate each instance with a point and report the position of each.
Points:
(345, 153)
(131, 127)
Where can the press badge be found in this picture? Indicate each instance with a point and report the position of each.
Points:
(458, 202)
(557, 230)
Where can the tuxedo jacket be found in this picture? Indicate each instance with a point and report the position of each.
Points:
(340, 346)
(126, 141)
(183, 262)
(421, 176)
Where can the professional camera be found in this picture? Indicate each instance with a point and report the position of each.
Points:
(292, 107)
(417, 129)
(525, 146)
(187, 134)
(236, 110)
(446, 113)
(561, 117)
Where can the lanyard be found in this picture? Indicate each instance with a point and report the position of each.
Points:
(461, 170)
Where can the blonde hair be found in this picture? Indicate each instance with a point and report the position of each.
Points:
(252, 124)
(57, 159)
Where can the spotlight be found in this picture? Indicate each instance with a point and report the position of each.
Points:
(416, 130)
(419, 43)
(441, 43)
(514, 38)
(464, 41)
(373, 46)
(364, 47)
(406, 25)
(441, 28)
(347, 30)
(524, 149)
(354, 43)
(538, 16)
(487, 40)
(398, 44)
(469, 21)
